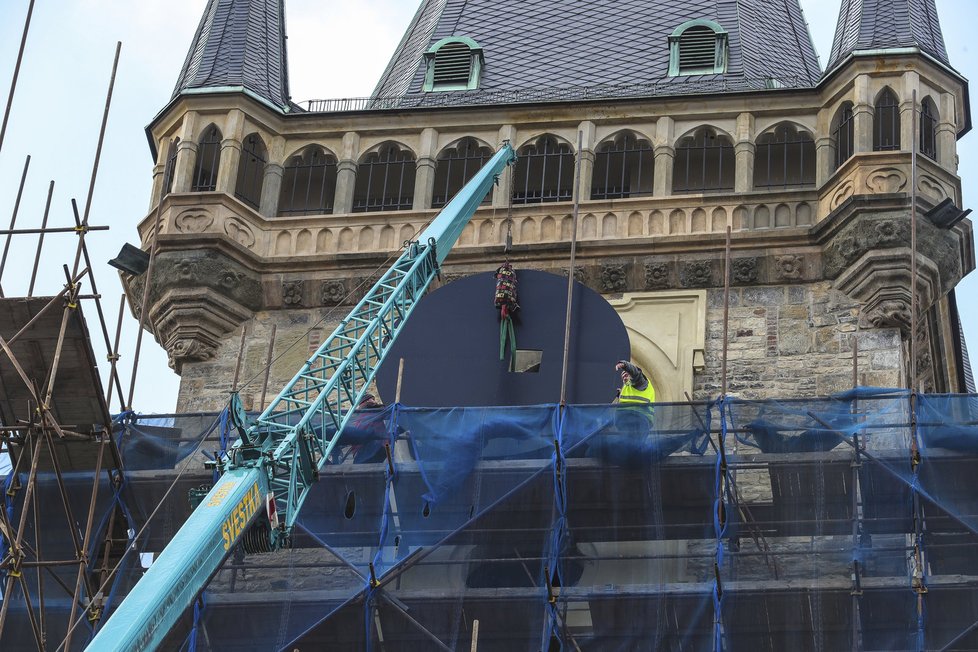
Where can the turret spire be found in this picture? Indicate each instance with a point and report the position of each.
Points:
(239, 45)
(887, 25)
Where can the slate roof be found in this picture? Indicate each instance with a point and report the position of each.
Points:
(239, 43)
(885, 24)
(554, 44)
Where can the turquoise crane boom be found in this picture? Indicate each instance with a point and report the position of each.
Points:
(270, 469)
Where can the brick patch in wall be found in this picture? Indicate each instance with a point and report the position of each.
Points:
(772, 332)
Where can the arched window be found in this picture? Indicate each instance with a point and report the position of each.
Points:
(623, 167)
(842, 133)
(455, 166)
(544, 172)
(785, 157)
(208, 160)
(698, 47)
(308, 183)
(704, 162)
(886, 124)
(170, 167)
(453, 64)
(385, 180)
(928, 128)
(251, 170)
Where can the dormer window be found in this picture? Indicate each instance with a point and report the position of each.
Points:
(453, 64)
(698, 47)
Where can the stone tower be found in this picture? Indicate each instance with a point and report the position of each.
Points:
(692, 117)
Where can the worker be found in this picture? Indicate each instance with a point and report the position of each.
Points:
(365, 433)
(637, 395)
(636, 388)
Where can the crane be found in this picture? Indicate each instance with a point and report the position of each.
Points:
(268, 472)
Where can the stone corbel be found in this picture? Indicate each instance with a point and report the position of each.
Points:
(880, 280)
(196, 299)
(191, 322)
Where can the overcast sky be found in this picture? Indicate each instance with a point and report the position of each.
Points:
(336, 49)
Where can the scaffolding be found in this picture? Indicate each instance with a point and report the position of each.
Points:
(808, 524)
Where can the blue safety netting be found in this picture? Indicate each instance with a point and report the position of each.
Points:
(848, 522)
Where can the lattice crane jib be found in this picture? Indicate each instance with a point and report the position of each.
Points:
(280, 453)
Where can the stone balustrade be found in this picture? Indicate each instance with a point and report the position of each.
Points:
(217, 214)
(875, 173)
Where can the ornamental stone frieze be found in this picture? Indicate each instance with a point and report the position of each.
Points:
(882, 173)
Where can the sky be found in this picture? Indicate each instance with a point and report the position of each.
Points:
(60, 98)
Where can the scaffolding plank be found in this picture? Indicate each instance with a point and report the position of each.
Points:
(77, 401)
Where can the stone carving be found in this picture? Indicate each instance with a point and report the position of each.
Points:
(240, 233)
(656, 276)
(229, 279)
(613, 278)
(928, 185)
(744, 270)
(189, 348)
(193, 222)
(924, 360)
(450, 278)
(848, 247)
(580, 274)
(886, 180)
(292, 293)
(789, 266)
(843, 193)
(186, 269)
(332, 292)
(886, 232)
(696, 274)
(890, 314)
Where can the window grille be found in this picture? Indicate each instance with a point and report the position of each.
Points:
(455, 166)
(308, 183)
(698, 47)
(886, 124)
(544, 172)
(843, 134)
(208, 161)
(385, 180)
(170, 167)
(704, 163)
(784, 157)
(623, 168)
(251, 171)
(928, 129)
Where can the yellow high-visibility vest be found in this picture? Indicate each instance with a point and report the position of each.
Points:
(637, 397)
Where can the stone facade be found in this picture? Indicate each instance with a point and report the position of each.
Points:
(812, 268)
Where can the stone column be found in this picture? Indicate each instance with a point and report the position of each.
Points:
(271, 187)
(500, 195)
(227, 172)
(424, 180)
(911, 82)
(665, 155)
(346, 173)
(588, 138)
(862, 116)
(183, 171)
(947, 134)
(825, 148)
(744, 150)
(158, 171)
